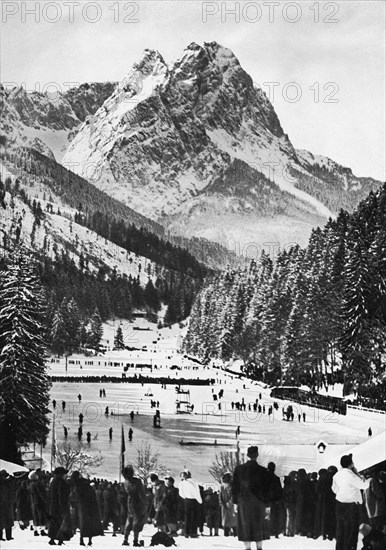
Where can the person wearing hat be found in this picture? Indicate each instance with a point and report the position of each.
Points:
(6, 505)
(159, 491)
(59, 507)
(171, 506)
(250, 490)
(347, 485)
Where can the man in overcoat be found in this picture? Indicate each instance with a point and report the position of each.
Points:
(59, 507)
(249, 490)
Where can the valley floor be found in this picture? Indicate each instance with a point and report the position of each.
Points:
(208, 431)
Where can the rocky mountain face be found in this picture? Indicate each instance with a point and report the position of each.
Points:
(195, 146)
(46, 122)
(199, 148)
(86, 99)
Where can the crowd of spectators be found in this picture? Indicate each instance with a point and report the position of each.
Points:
(57, 505)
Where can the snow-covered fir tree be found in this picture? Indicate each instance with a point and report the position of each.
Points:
(24, 383)
(314, 314)
(118, 339)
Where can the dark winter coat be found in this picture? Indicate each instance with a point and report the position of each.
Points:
(110, 508)
(99, 496)
(289, 500)
(59, 508)
(277, 516)
(136, 503)
(89, 518)
(249, 491)
(74, 509)
(23, 503)
(171, 504)
(374, 499)
(38, 502)
(212, 510)
(305, 506)
(159, 490)
(136, 496)
(7, 499)
(325, 508)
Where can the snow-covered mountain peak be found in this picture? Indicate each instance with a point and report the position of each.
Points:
(150, 68)
(151, 61)
(210, 56)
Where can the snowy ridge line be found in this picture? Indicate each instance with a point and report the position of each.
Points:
(267, 163)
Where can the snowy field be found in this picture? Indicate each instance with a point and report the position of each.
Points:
(291, 445)
(26, 540)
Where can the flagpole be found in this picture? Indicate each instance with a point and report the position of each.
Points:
(122, 454)
(53, 443)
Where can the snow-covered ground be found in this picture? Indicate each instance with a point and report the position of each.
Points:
(26, 540)
(290, 445)
(62, 232)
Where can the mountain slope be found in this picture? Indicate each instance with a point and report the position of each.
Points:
(44, 179)
(46, 122)
(167, 136)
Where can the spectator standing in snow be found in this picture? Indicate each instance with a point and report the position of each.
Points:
(171, 506)
(190, 492)
(38, 502)
(136, 506)
(249, 489)
(89, 518)
(6, 504)
(228, 516)
(347, 485)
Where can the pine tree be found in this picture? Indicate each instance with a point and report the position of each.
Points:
(118, 339)
(58, 335)
(151, 296)
(24, 384)
(355, 343)
(96, 331)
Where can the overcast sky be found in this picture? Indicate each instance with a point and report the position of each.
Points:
(337, 48)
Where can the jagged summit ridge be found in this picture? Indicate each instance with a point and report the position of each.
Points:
(169, 132)
(198, 147)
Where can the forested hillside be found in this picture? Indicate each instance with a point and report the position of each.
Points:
(93, 274)
(57, 184)
(313, 315)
